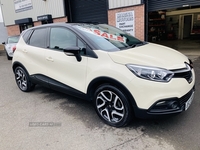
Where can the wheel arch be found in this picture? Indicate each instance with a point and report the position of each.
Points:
(95, 83)
(16, 64)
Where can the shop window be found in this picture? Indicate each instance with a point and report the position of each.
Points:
(47, 21)
(25, 26)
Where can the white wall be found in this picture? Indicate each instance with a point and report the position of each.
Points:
(40, 7)
(123, 3)
(3, 33)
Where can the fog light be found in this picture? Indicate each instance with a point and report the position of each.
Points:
(173, 105)
(165, 106)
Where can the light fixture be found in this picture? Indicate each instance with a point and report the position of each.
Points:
(185, 5)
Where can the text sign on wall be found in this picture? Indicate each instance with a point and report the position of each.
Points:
(22, 5)
(126, 22)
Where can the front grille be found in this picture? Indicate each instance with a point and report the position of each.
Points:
(185, 98)
(187, 75)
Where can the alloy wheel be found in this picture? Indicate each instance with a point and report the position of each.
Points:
(21, 79)
(110, 106)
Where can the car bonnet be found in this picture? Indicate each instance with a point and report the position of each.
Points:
(151, 55)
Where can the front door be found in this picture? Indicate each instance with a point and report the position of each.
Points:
(63, 67)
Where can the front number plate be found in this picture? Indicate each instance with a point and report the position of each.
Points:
(188, 103)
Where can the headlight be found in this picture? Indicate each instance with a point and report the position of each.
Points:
(151, 73)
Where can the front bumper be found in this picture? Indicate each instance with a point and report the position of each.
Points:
(167, 106)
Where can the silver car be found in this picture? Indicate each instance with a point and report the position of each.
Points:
(10, 44)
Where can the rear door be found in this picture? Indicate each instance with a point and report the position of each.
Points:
(64, 68)
(32, 53)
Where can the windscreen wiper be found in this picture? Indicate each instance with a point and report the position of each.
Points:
(137, 44)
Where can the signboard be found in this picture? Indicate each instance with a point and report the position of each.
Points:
(44, 17)
(126, 22)
(22, 5)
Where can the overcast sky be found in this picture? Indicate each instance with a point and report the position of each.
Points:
(1, 19)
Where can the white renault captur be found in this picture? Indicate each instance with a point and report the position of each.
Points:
(120, 74)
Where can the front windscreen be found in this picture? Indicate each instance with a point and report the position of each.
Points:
(107, 37)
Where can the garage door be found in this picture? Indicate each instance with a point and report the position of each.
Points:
(89, 11)
(154, 5)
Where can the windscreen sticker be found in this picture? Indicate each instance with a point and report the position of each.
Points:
(104, 34)
(108, 35)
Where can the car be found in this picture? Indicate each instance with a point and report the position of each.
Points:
(10, 45)
(122, 76)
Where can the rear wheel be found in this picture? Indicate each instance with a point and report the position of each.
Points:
(112, 106)
(22, 80)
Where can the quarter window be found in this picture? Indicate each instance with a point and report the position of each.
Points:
(26, 35)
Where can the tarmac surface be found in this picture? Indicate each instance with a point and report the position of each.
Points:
(45, 119)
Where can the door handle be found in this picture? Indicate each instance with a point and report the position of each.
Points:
(49, 59)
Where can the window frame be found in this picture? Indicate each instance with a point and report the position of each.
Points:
(77, 38)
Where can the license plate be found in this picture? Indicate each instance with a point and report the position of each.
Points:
(188, 103)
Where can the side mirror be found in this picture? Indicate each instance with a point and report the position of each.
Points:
(75, 51)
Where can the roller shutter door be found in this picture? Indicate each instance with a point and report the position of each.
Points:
(89, 11)
(154, 5)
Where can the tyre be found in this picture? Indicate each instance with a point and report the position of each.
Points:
(8, 57)
(112, 106)
(22, 80)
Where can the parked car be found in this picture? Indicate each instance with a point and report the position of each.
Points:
(120, 74)
(9, 45)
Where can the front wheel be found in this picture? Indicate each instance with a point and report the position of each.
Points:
(112, 106)
(22, 80)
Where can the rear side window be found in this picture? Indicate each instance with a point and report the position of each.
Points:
(27, 35)
(38, 38)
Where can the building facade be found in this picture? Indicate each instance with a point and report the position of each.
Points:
(169, 20)
(3, 35)
(151, 20)
(22, 14)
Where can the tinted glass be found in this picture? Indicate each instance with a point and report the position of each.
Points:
(38, 38)
(108, 38)
(26, 35)
(61, 38)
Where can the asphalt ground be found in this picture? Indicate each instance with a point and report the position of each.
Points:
(45, 119)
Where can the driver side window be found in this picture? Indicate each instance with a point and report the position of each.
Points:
(61, 38)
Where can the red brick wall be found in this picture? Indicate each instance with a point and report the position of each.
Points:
(64, 19)
(13, 30)
(37, 23)
(139, 19)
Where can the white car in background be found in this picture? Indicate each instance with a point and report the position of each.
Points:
(10, 44)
